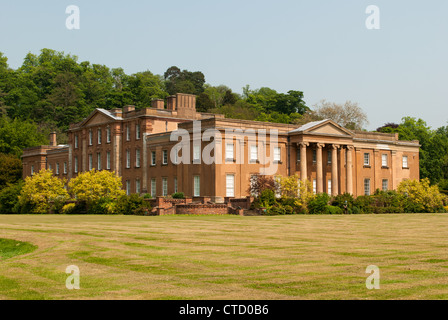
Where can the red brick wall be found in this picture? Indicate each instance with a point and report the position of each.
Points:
(201, 209)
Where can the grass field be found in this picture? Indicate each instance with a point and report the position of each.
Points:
(225, 257)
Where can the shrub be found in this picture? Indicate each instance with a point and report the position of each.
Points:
(42, 192)
(68, 208)
(147, 196)
(9, 197)
(178, 195)
(318, 204)
(364, 204)
(104, 205)
(333, 210)
(94, 185)
(341, 199)
(132, 205)
(422, 193)
(267, 198)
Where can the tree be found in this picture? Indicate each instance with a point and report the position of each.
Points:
(42, 192)
(92, 186)
(422, 193)
(10, 170)
(9, 198)
(348, 115)
(184, 81)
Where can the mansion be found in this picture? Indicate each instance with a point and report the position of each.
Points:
(137, 145)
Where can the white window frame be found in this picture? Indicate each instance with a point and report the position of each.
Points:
(153, 187)
(128, 133)
(229, 151)
(329, 187)
(98, 156)
(128, 187)
(175, 185)
(90, 137)
(196, 152)
(90, 162)
(108, 160)
(99, 136)
(32, 170)
(108, 135)
(128, 159)
(164, 156)
(384, 160)
(196, 186)
(367, 187)
(405, 162)
(137, 186)
(57, 168)
(314, 186)
(137, 131)
(164, 187)
(76, 142)
(230, 185)
(253, 153)
(329, 157)
(76, 164)
(137, 158)
(153, 158)
(277, 154)
(366, 159)
(65, 167)
(385, 185)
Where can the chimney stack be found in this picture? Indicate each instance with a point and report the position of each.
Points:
(127, 109)
(171, 103)
(158, 103)
(53, 141)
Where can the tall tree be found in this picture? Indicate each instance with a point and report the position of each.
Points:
(348, 115)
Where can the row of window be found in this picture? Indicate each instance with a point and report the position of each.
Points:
(367, 189)
(109, 135)
(57, 171)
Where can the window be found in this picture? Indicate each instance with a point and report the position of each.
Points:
(99, 160)
(314, 156)
(153, 158)
(99, 136)
(57, 168)
(277, 154)
(329, 186)
(229, 151)
(49, 166)
(108, 135)
(164, 187)
(367, 187)
(366, 159)
(314, 186)
(108, 160)
(137, 158)
(137, 186)
(153, 188)
(175, 185)
(128, 133)
(405, 161)
(384, 160)
(137, 131)
(176, 156)
(90, 162)
(329, 156)
(298, 155)
(165, 156)
(76, 164)
(76, 142)
(90, 137)
(197, 186)
(128, 159)
(65, 167)
(196, 152)
(230, 185)
(32, 170)
(253, 153)
(385, 184)
(128, 187)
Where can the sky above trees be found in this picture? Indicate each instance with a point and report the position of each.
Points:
(320, 47)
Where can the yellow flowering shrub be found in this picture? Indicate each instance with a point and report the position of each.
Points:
(41, 191)
(94, 185)
(422, 193)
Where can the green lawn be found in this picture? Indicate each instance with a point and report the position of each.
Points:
(224, 257)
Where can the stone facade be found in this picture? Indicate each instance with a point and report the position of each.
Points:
(136, 145)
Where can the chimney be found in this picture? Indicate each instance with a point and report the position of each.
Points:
(158, 103)
(127, 109)
(117, 112)
(171, 103)
(53, 141)
(186, 105)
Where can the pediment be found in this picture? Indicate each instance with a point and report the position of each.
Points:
(99, 116)
(328, 128)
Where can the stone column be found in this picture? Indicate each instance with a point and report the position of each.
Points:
(334, 170)
(349, 169)
(320, 181)
(303, 160)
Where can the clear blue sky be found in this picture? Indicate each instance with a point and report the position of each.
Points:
(320, 47)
